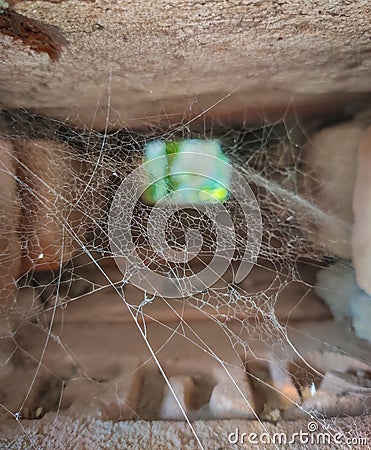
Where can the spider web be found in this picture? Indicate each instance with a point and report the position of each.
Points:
(71, 314)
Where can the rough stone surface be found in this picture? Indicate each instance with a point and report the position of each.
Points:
(68, 432)
(125, 56)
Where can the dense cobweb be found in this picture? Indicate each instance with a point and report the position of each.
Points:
(64, 180)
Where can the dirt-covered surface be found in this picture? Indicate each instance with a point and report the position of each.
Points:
(69, 433)
(143, 59)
